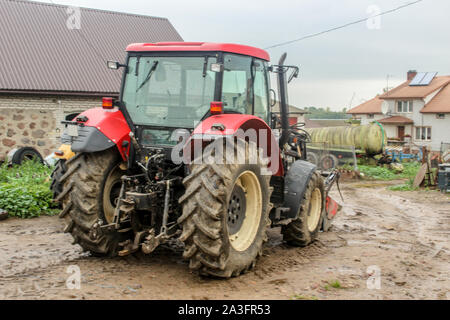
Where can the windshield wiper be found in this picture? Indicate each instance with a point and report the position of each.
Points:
(149, 75)
(205, 66)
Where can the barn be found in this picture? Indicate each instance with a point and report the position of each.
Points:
(53, 65)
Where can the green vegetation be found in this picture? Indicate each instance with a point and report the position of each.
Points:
(302, 297)
(408, 186)
(410, 170)
(321, 113)
(25, 190)
(336, 284)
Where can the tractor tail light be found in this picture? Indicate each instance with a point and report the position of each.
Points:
(216, 107)
(107, 103)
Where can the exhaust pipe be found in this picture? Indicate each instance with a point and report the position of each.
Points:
(282, 91)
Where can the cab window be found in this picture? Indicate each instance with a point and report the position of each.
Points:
(237, 93)
(261, 90)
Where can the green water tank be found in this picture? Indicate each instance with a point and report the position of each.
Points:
(369, 139)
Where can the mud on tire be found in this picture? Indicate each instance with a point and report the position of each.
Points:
(205, 218)
(298, 233)
(56, 186)
(82, 199)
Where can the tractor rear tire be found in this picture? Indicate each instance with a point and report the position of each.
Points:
(86, 199)
(225, 213)
(304, 230)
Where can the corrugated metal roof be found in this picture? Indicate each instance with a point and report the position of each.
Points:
(38, 52)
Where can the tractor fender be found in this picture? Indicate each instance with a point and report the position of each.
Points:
(98, 130)
(295, 185)
(227, 125)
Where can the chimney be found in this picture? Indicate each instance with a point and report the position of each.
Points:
(411, 74)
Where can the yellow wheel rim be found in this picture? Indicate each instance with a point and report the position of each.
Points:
(315, 210)
(244, 211)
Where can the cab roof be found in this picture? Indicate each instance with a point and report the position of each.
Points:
(199, 46)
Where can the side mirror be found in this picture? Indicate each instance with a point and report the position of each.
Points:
(293, 75)
(113, 65)
(273, 98)
(217, 67)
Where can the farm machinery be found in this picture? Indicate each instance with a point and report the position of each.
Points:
(337, 146)
(191, 151)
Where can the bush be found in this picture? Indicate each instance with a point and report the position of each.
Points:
(25, 190)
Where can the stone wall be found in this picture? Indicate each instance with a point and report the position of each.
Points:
(35, 121)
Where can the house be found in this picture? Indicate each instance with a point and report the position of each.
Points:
(296, 115)
(416, 112)
(52, 68)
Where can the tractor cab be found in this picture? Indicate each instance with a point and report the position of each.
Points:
(168, 86)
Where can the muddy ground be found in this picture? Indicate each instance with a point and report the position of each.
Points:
(405, 236)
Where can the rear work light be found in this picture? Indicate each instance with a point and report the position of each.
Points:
(216, 107)
(107, 103)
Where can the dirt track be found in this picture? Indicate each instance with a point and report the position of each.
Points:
(404, 234)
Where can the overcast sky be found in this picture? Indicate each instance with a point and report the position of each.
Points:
(351, 62)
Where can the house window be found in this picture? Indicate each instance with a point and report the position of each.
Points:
(440, 116)
(370, 116)
(404, 106)
(423, 133)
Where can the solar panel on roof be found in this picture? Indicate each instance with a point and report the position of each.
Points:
(428, 78)
(417, 79)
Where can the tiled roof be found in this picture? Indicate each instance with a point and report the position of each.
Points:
(396, 119)
(405, 91)
(371, 106)
(440, 103)
(38, 52)
(292, 109)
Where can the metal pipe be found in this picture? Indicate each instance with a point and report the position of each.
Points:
(282, 90)
(166, 208)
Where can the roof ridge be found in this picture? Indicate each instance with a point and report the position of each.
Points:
(47, 4)
(390, 92)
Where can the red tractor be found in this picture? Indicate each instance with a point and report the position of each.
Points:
(192, 151)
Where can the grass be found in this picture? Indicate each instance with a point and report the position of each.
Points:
(25, 190)
(302, 297)
(408, 186)
(336, 284)
(385, 173)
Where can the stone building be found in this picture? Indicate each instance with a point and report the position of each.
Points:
(53, 65)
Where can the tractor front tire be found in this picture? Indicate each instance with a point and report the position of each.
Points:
(89, 187)
(225, 214)
(56, 186)
(304, 230)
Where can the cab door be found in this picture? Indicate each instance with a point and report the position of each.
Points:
(245, 86)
